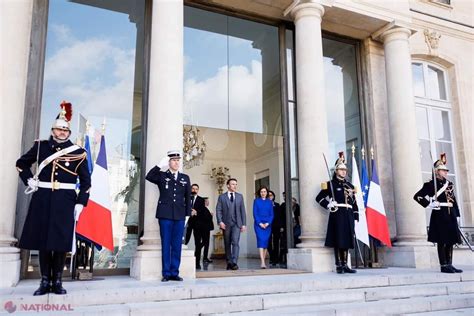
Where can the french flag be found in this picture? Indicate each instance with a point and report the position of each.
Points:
(95, 222)
(360, 227)
(376, 218)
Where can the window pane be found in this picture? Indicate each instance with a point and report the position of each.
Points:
(418, 84)
(426, 161)
(293, 147)
(435, 84)
(422, 123)
(94, 59)
(289, 65)
(205, 69)
(448, 149)
(342, 97)
(441, 125)
(254, 77)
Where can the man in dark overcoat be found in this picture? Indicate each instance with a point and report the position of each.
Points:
(342, 206)
(57, 200)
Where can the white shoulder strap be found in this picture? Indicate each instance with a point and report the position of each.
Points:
(443, 188)
(58, 154)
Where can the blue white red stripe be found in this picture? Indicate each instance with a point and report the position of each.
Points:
(376, 217)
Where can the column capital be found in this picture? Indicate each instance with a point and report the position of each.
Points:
(304, 9)
(393, 31)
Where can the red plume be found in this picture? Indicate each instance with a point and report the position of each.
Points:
(68, 108)
(443, 158)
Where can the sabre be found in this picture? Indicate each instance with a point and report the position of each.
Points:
(434, 180)
(330, 182)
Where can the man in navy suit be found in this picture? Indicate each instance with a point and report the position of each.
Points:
(173, 207)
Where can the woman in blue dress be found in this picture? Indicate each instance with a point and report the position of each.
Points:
(263, 217)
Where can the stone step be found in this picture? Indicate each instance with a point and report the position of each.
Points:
(440, 305)
(453, 312)
(124, 290)
(321, 301)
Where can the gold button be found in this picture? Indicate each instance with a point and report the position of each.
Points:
(55, 173)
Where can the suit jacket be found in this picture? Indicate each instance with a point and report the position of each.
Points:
(175, 195)
(223, 209)
(203, 219)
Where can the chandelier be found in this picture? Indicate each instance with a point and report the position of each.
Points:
(193, 148)
(220, 175)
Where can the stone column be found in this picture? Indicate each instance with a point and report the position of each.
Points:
(14, 15)
(164, 129)
(312, 139)
(411, 248)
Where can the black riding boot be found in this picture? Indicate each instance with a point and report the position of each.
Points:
(58, 266)
(449, 258)
(345, 267)
(45, 258)
(337, 259)
(443, 261)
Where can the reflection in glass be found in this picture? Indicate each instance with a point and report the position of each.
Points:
(425, 155)
(435, 83)
(94, 59)
(342, 98)
(422, 123)
(441, 125)
(232, 78)
(206, 77)
(418, 81)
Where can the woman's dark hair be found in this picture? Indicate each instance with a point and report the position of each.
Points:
(273, 193)
(260, 190)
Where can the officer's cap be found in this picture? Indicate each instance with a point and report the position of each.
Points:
(173, 154)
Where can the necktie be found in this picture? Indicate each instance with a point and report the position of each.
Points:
(231, 196)
(175, 175)
(192, 200)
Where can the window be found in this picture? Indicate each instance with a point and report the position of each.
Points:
(94, 59)
(429, 82)
(433, 119)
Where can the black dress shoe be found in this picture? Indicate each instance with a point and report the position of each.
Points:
(235, 267)
(176, 278)
(455, 269)
(206, 260)
(57, 286)
(339, 270)
(198, 266)
(165, 279)
(44, 287)
(229, 266)
(447, 269)
(346, 269)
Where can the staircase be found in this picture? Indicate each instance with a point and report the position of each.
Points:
(392, 291)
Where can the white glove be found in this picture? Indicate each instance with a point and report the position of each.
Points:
(434, 204)
(331, 204)
(33, 184)
(77, 211)
(164, 164)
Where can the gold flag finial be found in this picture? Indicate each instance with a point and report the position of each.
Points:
(103, 126)
(363, 152)
(372, 152)
(353, 149)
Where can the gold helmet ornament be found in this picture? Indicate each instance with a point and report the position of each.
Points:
(64, 117)
(341, 161)
(441, 163)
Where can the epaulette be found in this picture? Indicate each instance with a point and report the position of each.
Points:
(324, 185)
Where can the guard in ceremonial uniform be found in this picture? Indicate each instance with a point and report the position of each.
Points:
(55, 204)
(341, 202)
(173, 207)
(443, 230)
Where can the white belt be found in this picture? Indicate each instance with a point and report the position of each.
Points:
(56, 185)
(344, 205)
(447, 204)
